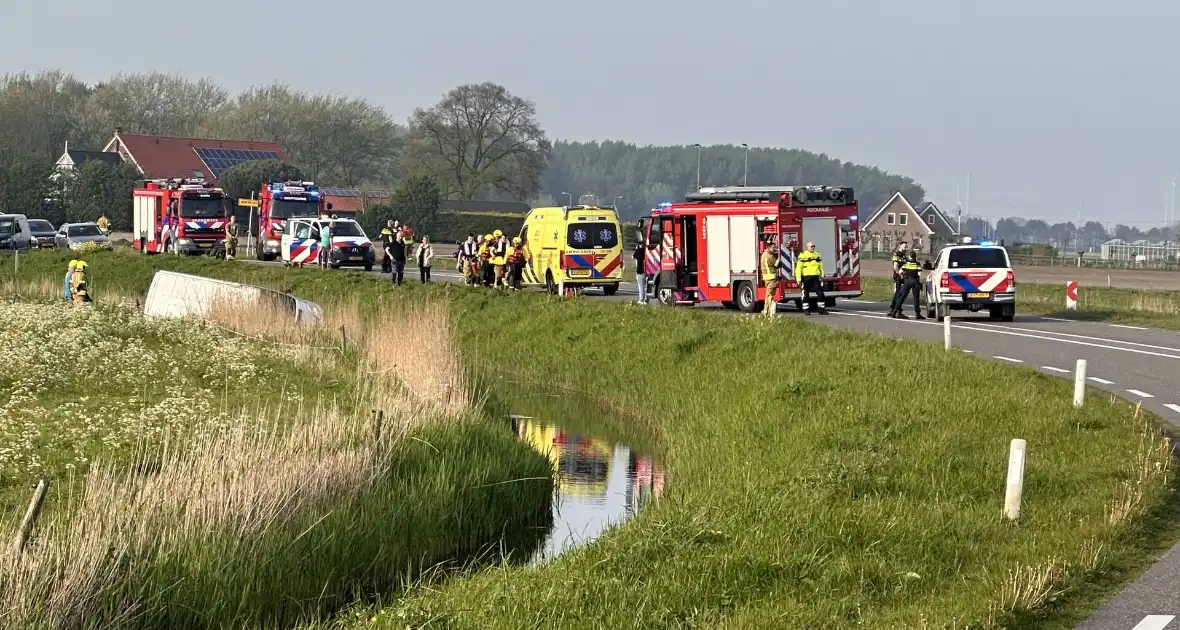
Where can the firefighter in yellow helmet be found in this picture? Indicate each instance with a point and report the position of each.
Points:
(769, 267)
(516, 257)
(80, 291)
(500, 258)
(809, 271)
(69, 284)
(485, 260)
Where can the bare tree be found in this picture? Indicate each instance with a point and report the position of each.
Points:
(479, 139)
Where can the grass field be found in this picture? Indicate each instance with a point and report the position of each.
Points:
(1158, 309)
(809, 484)
(229, 474)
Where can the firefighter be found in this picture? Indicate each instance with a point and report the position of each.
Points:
(769, 266)
(386, 240)
(69, 285)
(899, 256)
(911, 281)
(809, 269)
(485, 261)
(516, 258)
(500, 259)
(467, 252)
(231, 238)
(104, 224)
(80, 287)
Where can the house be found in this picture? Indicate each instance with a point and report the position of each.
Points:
(73, 159)
(924, 227)
(163, 157)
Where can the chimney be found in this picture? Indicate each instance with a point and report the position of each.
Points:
(118, 130)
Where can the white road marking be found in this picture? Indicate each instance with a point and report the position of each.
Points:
(967, 351)
(1071, 335)
(1139, 393)
(1055, 319)
(1101, 380)
(1125, 326)
(1154, 622)
(1054, 369)
(1010, 359)
(1175, 408)
(1012, 333)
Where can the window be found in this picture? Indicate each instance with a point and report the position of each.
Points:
(592, 236)
(290, 209)
(901, 219)
(345, 228)
(890, 219)
(979, 257)
(84, 229)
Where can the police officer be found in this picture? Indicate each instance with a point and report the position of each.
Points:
(898, 259)
(910, 283)
(769, 266)
(809, 269)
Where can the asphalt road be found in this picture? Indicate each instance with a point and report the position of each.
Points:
(1138, 364)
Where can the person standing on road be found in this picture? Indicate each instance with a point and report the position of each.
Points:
(769, 267)
(898, 259)
(809, 269)
(386, 239)
(397, 255)
(326, 242)
(640, 257)
(911, 282)
(231, 238)
(425, 256)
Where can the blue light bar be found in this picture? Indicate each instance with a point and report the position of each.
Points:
(664, 204)
(852, 218)
(987, 243)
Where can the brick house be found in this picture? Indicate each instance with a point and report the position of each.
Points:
(163, 157)
(924, 227)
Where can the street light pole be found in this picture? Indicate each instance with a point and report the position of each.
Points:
(698, 146)
(571, 198)
(617, 198)
(746, 167)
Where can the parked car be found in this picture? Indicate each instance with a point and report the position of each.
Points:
(14, 231)
(74, 235)
(42, 233)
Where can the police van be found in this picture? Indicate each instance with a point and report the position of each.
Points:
(971, 277)
(573, 246)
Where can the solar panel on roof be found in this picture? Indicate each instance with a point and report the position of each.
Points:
(220, 160)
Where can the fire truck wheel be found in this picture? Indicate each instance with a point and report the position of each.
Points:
(610, 289)
(746, 298)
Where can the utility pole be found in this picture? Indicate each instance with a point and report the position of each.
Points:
(698, 146)
(746, 168)
(959, 205)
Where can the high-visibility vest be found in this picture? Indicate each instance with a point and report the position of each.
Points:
(809, 264)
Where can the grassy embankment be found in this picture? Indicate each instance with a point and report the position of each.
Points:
(1157, 309)
(809, 482)
(230, 474)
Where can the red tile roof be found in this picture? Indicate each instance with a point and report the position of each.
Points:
(166, 157)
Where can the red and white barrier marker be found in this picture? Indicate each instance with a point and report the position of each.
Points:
(1071, 295)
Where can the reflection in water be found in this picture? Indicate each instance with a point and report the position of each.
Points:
(598, 484)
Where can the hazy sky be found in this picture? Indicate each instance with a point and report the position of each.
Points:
(1048, 104)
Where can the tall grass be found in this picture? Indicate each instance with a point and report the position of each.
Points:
(286, 514)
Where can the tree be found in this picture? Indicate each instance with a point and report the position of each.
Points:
(97, 188)
(154, 104)
(415, 203)
(25, 183)
(248, 177)
(40, 113)
(480, 140)
(375, 218)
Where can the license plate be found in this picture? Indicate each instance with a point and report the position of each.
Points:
(979, 295)
(204, 244)
(578, 273)
(355, 257)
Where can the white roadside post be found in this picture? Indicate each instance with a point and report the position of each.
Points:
(1015, 479)
(946, 330)
(1079, 383)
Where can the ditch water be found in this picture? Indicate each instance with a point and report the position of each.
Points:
(600, 482)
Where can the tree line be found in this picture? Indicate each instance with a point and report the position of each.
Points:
(479, 141)
(1066, 236)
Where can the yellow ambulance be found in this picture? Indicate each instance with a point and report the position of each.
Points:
(578, 246)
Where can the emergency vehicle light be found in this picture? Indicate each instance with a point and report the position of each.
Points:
(664, 204)
(986, 243)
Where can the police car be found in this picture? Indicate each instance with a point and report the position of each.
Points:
(971, 277)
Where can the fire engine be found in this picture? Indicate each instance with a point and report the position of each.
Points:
(178, 217)
(707, 248)
(283, 201)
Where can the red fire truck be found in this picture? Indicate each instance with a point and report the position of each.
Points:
(708, 248)
(282, 201)
(179, 218)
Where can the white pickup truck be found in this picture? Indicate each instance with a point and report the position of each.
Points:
(971, 277)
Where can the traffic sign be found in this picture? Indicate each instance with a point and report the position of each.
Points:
(249, 203)
(1071, 295)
